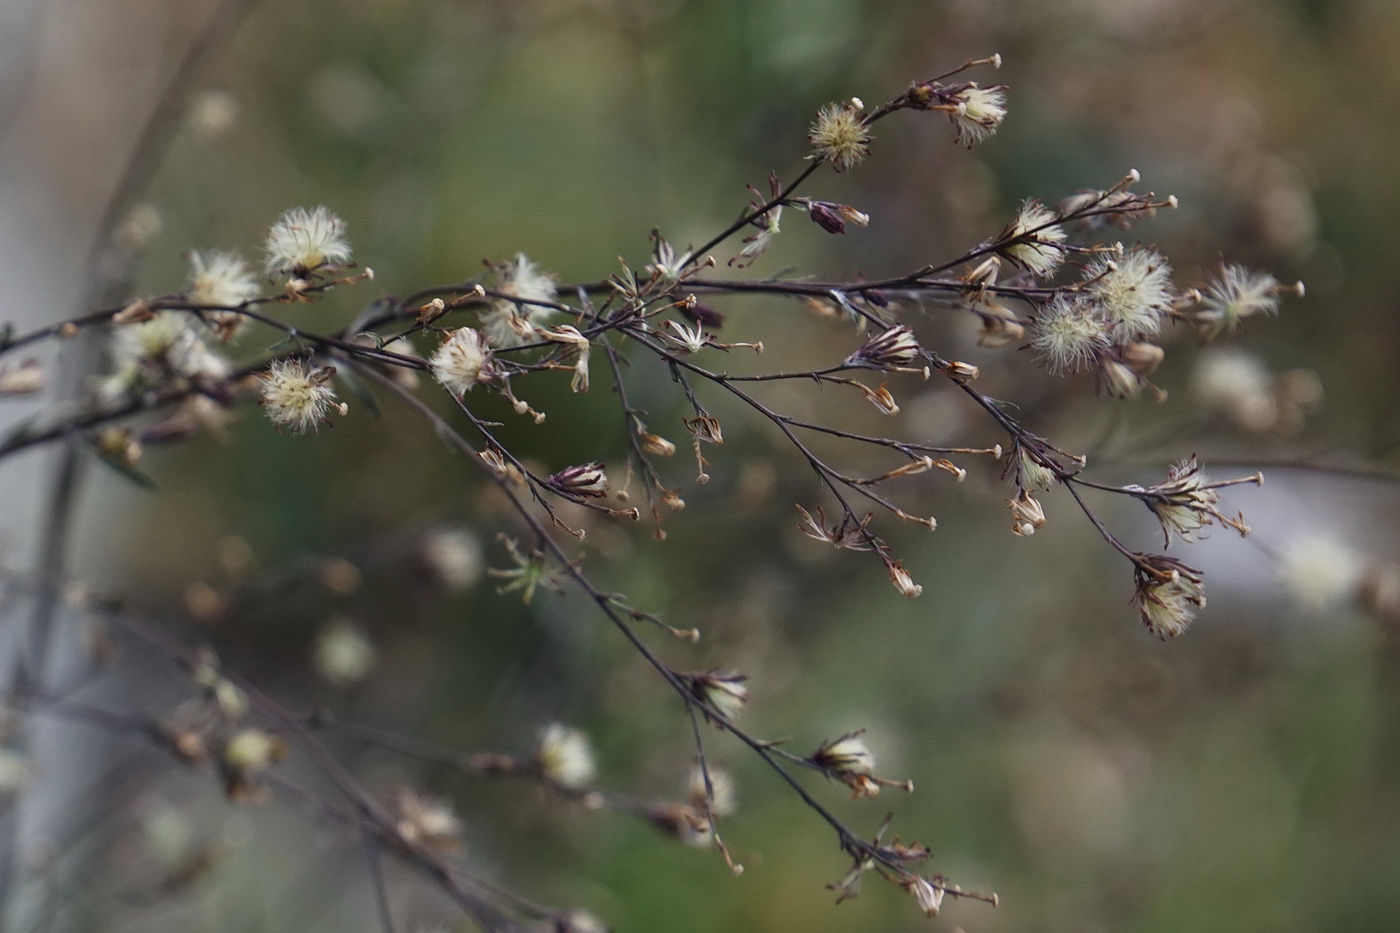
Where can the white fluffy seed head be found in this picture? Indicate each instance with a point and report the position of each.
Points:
(839, 136)
(1068, 335)
(303, 241)
(1039, 252)
(296, 396)
(565, 757)
(220, 278)
(1133, 291)
(463, 361)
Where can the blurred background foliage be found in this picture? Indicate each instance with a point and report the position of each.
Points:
(1240, 778)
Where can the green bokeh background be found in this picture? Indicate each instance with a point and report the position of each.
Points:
(1242, 778)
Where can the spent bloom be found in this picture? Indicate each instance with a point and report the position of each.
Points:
(1168, 596)
(975, 112)
(565, 757)
(929, 897)
(1039, 239)
(1132, 291)
(220, 278)
(515, 320)
(587, 479)
(724, 799)
(298, 397)
(1188, 501)
(839, 136)
(725, 692)
(168, 343)
(893, 348)
(1235, 295)
(462, 361)
(1067, 335)
(302, 241)
(847, 755)
(427, 822)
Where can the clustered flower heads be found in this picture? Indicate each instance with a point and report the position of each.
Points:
(297, 396)
(165, 344)
(303, 242)
(839, 135)
(463, 360)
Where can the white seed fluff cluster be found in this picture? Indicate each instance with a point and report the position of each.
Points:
(1068, 335)
(839, 136)
(297, 397)
(510, 323)
(220, 278)
(146, 353)
(462, 362)
(1237, 294)
(979, 113)
(1133, 291)
(303, 241)
(1040, 252)
(565, 757)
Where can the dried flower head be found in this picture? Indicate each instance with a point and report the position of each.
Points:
(1068, 335)
(1232, 297)
(586, 479)
(1168, 595)
(724, 691)
(297, 396)
(1132, 291)
(302, 242)
(850, 534)
(685, 823)
(903, 583)
(975, 112)
(720, 798)
(1038, 240)
(1188, 501)
(510, 323)
(462, 361)
(847, 755)
(224, 279)
(839, 136)
(1027, 515)
(894, 348)
(565, 757)
(928, 895)
(429, 823)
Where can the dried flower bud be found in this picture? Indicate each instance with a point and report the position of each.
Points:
(1143, 358)
(587, 480)
(962, 372)
(1000, 326)
(892, 348)
(903, 583)
(565, 757)
(23, 378)
(687, 824)
(705, 428)
(656, 445)
(1027, 515)
(880, 398)
(929, 897)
